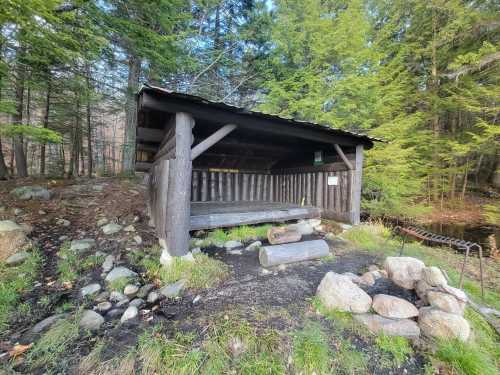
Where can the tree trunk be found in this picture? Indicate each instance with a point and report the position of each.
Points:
(89, 125)
(4, 172)
(466, 173)
(17, 118)
(45, 124)
(128, 157)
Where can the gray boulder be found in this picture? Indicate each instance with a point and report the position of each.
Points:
(111, 228)
(131, 313)
(104, 306)
(144, 290)
(107, 265)
(12, 239)
(130, 290)
(46, 323)
(83, 245)
(391, 327)
(421, 288)
(393, 307)
(445, 302)
(433, 276)
(116, 296)
(303, 227)
(91, 320)
(254, 245)
(90, 290)
(173, 290)
(138, 302)
(31, 192)
(153, 297)
(439, 324)
(120, 272)
(404, 271)
(230, 245)
(17, 258)
(340, 293)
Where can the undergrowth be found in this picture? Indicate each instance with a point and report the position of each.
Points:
(71, 264)
(16, 280)
(243, 233)
(311, 351)
(399, 348)
(203, 272)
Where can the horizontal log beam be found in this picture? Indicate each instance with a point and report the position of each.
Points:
(293, 252)
(211, 140)
(149, 135)
(264, 125)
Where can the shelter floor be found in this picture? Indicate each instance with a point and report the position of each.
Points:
(210, 215)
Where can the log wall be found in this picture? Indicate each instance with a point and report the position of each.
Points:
(307, 188)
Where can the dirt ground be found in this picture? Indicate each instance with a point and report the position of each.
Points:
(279, 298)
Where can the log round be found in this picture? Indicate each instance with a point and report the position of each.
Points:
(281, 235)
(292, 252)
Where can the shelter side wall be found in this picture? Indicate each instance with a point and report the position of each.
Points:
(328, 190)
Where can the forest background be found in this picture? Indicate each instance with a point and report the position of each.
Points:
(421, 74)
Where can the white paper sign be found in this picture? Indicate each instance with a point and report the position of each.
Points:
(333, 180)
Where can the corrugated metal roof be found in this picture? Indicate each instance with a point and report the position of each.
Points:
(244, 111)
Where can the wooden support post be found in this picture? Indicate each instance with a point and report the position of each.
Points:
(211, 140)
(179, 192)
(356, 186)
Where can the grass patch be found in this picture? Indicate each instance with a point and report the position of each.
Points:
(341, 320)
(71, 264)
(204, 272)
(377, 238)
(186, 353)
(14, 281)
(50, 350)
(398, 347)
(93, 363)
(311, 352)
(348, 360)
(243, 233)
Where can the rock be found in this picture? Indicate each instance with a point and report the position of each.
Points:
(196, 299)
(18, 211)
(104, 306)
(63, 222)
(339, 292)
(102, 221)
(111, 228)
(63, 238)
(354, 278)
(393, 307)
(31, 192)
(130, 290)
(254, 246)
(122, 303)
(42, 212)
(115, 296)
(445, 302)
(314, 223)
(330, 236)
(372, 267)
(27, 228)
(367, 279)
(404, 271)
(90, 289)
(12, 239)
(138, 239)
(235, 252)
(137, 302)
(17, 258)
(101, 297)
(144, 290)
(173, 290)
(230, 245)
(433, 276)
(421, 288)
(80, 246)
(131, 313)
(391, 327)
(47, 323)
(302, 227)
(195, 251)
(437, 323)
(129, 228)
(91, 320)
(118, 273)
(455, 292)
(115, 313)
(153, 297)
(107, 265)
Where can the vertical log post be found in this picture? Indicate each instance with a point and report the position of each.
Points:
(356, 186)
(179, 192)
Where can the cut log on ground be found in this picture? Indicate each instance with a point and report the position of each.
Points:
(293, 252)
(281, 235)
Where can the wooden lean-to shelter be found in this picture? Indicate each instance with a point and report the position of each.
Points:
(213, 165)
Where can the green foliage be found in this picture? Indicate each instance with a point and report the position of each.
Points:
(14, 281)
(465, 359)
(311, 351)
(36, 134)
(203, 272)
(119, 284)
(51, 348)
(71, 263)
(243, 233)
(398, 347)
(492, 213)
